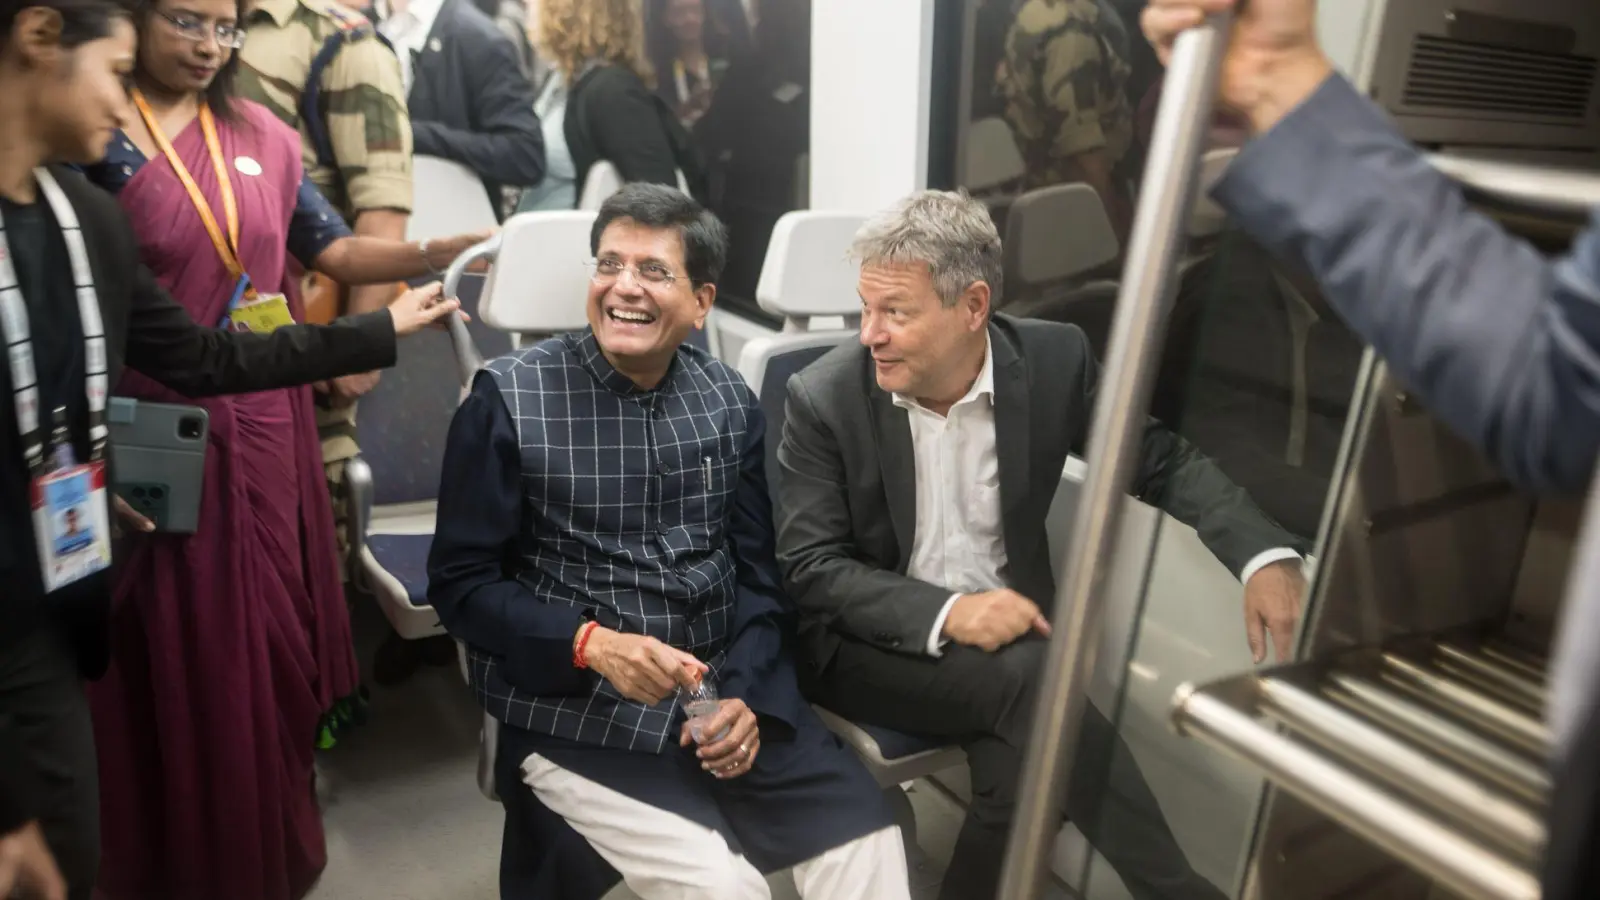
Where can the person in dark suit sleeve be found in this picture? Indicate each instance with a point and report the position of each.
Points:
(470, 100)
(62, 94)
(917, 471)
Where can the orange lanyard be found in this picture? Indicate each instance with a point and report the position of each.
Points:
(227, 247)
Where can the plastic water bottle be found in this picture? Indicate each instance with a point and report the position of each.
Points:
(701, 705)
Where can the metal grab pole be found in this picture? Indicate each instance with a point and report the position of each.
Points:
(1166, 197)
(468, 359)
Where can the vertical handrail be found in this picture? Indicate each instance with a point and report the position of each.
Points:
(468, 359)
(1148, 285)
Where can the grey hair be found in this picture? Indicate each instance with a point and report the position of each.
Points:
(949, 232)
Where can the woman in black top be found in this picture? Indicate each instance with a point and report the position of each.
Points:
(80, 307)
(612, 113)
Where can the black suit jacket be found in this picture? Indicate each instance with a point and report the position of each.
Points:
(147, 331)
(846, 514)
(471, 102)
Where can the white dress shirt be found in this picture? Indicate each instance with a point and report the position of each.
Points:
(959, 542)
(407, 28)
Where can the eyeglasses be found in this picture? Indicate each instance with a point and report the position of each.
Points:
(192, 29)
(607, 271)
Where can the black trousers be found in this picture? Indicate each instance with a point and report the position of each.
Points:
(42, 700)
(985, 701)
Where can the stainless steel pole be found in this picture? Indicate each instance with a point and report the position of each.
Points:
(1148, 285)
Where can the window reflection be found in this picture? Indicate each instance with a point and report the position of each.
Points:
(1062, 96)
(755, 129)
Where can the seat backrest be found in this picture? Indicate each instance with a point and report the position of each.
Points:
(404, 421)
(539, 284)
(992, 158)
(448, 199)
(604, 179)
(807, 271)
(1057, 233)
(767, 363)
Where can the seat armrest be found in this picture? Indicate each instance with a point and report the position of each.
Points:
(358, 487)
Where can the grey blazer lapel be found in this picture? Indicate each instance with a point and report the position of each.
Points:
(1011, 428)
(897, 459)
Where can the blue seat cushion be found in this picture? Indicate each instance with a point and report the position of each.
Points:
(894, 745)
(404, 556)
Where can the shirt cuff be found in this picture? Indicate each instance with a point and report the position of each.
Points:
(1266, 558)
(936, 638)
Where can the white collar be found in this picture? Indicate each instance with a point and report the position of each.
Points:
(983, 386)
(424, 12)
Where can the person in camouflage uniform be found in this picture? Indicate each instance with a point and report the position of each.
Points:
(367, 126)
(1064, 80)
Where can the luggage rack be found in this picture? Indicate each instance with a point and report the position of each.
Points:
(1432, 749)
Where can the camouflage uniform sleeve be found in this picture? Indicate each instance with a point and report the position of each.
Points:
(368, 126)
(1070, 77)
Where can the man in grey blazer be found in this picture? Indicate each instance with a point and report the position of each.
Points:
(917, 470)
(1502, 343)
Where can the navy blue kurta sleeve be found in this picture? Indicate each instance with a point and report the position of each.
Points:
(314, 225)
(475, 540)
(758, 669)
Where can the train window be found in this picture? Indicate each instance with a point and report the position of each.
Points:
(1049, 121)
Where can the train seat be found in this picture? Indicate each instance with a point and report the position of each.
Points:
(993, 162)
(539, 285)
(807, 275)
(603, 180)
(893, 758)
(450, 199)
(1058, 240)
(394, 483)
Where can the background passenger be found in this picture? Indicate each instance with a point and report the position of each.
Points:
(63, 65)
(559, 189)
(511, 17)
(359, 157)
(228, 645)
(469, 99)
(918, 470)
(605, 539)
(754, 135)
(1065, 83)
(690, 52)
(611, 112)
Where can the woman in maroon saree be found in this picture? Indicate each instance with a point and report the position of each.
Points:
(228, 644)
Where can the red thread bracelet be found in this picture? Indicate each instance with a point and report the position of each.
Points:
(579, 659)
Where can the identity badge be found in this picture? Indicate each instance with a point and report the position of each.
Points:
(71, 524)
(267, 314)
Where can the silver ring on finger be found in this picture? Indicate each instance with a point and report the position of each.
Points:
(744, 750)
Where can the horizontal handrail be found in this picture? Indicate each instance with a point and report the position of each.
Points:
(468, 359)
(1380, 815)
(1541, 190)
(1490, 814)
